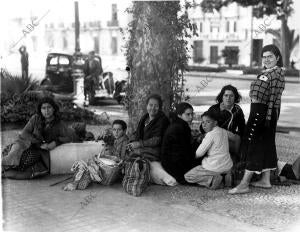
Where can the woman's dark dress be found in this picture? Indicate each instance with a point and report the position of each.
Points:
(258, 145)
(178, 152)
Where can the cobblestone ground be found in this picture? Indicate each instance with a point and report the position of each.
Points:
(277, 209)
(34, 206)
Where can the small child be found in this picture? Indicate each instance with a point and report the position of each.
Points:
(215, 152)
(87, 172)
(121, 140)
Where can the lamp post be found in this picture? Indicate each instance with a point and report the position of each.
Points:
(77, 28)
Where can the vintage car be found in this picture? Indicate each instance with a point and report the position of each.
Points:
(63, 69)
(59, 68)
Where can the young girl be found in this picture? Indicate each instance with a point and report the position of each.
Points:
(90, 171)
(215, 148)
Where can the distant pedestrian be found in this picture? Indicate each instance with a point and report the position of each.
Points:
(258, 146)
(92, 70)
(24, 61)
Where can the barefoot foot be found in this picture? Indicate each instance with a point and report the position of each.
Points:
(239, 189)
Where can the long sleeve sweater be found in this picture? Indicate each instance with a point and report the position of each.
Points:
(215, 144)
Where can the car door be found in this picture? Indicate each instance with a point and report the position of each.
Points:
(65, 74)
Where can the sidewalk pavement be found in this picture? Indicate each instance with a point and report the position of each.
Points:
(35, 206)
(235, 76)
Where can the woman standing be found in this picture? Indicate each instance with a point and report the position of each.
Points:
(258, 146)
(28, 156)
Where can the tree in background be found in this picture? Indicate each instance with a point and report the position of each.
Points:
(282, 8)
(157, 54)
(291, 39)
(231, 55)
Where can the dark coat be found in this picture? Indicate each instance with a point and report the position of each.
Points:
(150, 136)
(236, 125)
(178, 154)
(92, 68)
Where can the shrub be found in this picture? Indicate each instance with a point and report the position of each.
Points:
(206, 69)
(231, 55)
(256, 71)
(13, 84)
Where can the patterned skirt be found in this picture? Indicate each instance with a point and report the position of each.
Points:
(258, 146)
(29, 157)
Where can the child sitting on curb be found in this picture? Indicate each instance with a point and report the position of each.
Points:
(90, 171)
(215, 150)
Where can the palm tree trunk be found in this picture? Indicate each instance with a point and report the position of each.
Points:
(284, 34)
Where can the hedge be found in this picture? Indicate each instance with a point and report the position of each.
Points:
(246, 70)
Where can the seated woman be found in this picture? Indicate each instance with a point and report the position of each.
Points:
(28, 156)
(148, 139)
(231, 116)
(178, 154)
(215, 150)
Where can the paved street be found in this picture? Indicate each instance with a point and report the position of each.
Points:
(34, 206)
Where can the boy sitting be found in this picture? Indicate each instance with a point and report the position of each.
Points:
(215, 152)
(87, 172)
(120, 140)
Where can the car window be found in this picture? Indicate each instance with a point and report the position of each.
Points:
(53, 60)
(64, 60)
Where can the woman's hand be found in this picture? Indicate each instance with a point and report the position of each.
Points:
(48, 146)
(133, 145)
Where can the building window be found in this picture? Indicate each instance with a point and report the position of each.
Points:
(234, 26)
(96, 44)
(114, 46)
(114, 16)
(65, 43)
(213, 54)
(227, 26)
(34, 43)
(201, 27)
(198, 51)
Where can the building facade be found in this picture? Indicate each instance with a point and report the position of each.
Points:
(233, 28)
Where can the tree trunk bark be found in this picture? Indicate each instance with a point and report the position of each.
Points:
(149, 55)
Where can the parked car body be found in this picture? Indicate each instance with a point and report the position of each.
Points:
(62, 69)
(58, 76)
